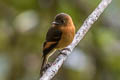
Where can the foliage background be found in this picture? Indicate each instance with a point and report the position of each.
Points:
(23, 26)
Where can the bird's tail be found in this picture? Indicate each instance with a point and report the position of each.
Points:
(44, 62)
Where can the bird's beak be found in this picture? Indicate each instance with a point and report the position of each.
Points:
(56, 23)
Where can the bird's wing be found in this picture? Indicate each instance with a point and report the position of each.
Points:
(52, 38)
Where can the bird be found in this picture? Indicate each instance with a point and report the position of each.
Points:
(59, 35)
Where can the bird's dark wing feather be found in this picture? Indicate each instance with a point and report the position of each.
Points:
(53, 34)
(52, 38)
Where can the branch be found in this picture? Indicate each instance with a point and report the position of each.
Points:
(51, 71)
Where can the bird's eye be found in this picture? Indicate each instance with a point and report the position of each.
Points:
(62, 21)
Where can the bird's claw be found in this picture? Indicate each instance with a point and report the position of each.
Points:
(46, 66)
(64, 49)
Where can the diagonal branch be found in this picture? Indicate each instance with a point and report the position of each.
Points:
(51, 71)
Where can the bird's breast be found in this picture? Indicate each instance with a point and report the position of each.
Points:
(66, 38)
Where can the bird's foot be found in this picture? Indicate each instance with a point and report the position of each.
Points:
(64, 49)
(47, 66)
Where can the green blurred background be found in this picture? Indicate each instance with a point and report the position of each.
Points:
(23, 26)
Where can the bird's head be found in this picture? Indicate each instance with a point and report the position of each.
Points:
(62, 19)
